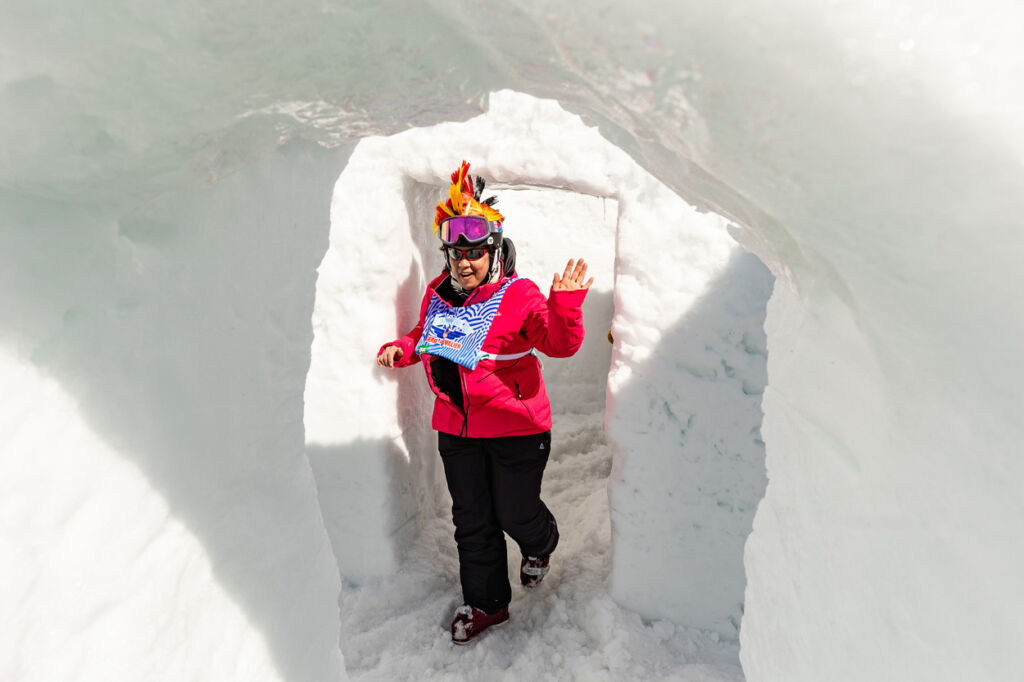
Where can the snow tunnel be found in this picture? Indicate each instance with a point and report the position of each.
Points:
(164, 198)
(679, 387)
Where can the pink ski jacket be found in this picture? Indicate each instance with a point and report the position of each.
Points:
(504, 397)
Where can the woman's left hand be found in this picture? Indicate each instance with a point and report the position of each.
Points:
(572, 278)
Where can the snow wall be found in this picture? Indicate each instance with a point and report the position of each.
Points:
(159, 516)
(163, 206)
(686, 377)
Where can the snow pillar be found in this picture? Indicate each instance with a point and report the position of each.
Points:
(684, 412)
(374, 473)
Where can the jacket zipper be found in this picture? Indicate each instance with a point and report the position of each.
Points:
(465, 402)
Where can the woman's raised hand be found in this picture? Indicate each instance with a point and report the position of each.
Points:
(388, 356)
(572, 278)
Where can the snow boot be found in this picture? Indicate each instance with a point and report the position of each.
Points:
(532, 570)
(471, 621)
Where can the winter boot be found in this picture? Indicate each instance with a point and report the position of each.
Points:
(471, 621)
(532, 570)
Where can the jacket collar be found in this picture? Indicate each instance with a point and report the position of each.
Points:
(482, 292)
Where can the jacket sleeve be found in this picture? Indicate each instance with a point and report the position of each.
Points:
(407, 342)
(555, 326)
(408, 345)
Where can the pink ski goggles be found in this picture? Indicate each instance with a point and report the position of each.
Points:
(471, 228)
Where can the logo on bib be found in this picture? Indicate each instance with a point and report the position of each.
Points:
(446, 329)
(458, 334)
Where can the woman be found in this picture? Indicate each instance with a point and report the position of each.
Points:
(479, 329)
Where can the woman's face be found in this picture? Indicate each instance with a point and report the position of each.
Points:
(469, 273)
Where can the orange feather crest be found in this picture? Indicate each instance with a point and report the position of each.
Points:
(462, 201)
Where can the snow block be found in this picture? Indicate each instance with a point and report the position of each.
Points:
(158, 519)
(375, 472)
(684, 413)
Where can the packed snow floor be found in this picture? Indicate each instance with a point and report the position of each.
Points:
(568, 628)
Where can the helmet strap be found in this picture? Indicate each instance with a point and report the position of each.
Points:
(495, 272)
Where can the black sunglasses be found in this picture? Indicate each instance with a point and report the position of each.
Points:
(455, 255)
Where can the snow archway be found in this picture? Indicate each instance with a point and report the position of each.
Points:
(687, 368)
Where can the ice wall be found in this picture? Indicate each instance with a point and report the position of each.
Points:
(870, 151)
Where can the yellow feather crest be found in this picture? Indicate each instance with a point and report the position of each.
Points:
(461, 199)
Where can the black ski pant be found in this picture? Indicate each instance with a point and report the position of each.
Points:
(495, 487)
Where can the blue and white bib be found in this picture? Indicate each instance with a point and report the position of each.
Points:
(458, 333)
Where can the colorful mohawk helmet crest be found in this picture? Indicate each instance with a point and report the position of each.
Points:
(464, 198)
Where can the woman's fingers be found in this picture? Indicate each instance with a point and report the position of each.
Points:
(568, 270)
(389, 355)
(565, 281)
(579, 276)
(580, 273)
(573, 277)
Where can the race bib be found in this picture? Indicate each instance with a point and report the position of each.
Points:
(458, 333)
